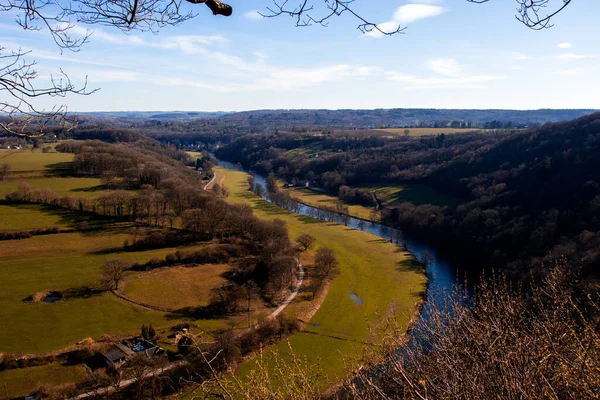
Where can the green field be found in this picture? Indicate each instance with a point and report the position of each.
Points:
(318, 199)
(418, 194)
(370, 267)
(40, 171)
(390, 196)
(20, 382)
(78, 187)
(60, 262)
(16, 217)
(27, 160)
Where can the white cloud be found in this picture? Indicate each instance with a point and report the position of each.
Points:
(414, 12)
(252, 15)
(565, 45)
(520, 56)
(570, 72)
(462, 82)
(445, 66)
(276, 79)
(575, 56)
(188, 44)
(112, 76)
(448, 75)
(406, 14)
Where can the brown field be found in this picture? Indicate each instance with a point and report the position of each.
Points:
(426, 131)
(176, 287)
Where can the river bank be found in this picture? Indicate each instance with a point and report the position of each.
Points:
(371, 268)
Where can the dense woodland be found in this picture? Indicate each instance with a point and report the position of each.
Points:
(523, 193)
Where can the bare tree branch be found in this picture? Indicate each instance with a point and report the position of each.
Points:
(17, 78)
(530, 12)
(305, 14)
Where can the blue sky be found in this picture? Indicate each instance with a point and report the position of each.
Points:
(453, 54)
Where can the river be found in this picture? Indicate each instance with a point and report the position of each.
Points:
(441, 275)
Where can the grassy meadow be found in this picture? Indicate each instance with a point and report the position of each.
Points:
(378, 272)
(176, 287)
(318, 199)
(19, 382)
(389, 195)
(418, 194)
(15, 217)
(32, 159)
(44, 170)
(59, 262)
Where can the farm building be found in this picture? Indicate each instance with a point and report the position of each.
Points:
(120, 352)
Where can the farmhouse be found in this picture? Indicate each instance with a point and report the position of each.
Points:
(120, 352)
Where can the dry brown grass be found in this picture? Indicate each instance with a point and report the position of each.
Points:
(176, 287)
(507, 343)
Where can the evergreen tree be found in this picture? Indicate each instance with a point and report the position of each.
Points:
(151, 332)
(145, 332)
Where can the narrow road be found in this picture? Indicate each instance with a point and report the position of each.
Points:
(293, 295)
(209, 182)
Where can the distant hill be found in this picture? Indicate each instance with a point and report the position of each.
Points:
(144, 115)
(397, 117)
(282, 119)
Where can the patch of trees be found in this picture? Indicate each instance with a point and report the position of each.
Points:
(363, 197)
(13, 235)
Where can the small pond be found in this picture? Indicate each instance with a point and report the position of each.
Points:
(356, 298)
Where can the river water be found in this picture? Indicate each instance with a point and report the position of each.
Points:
(441, 275)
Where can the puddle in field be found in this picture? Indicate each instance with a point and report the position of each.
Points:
(51, 299)
(46, 297)
(356, 299)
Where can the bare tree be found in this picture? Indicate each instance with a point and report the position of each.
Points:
(326, 268)
(4, 170)
(306, 241)
(113, 272)
(18, 86)
(536, 14)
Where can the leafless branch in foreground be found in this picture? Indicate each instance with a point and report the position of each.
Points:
(530, 12)
(17, 80)
(305, 14)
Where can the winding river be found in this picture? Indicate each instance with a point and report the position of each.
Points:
(441, 276)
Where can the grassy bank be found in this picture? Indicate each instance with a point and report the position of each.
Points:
(371, 268)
